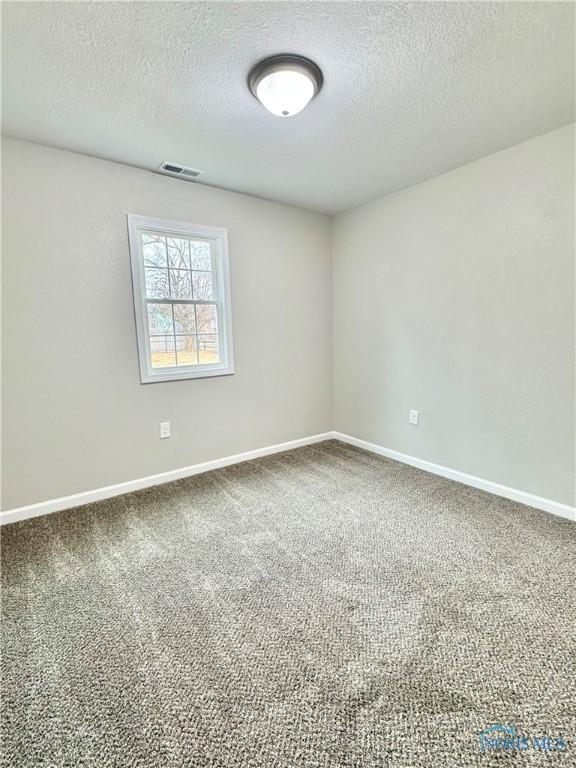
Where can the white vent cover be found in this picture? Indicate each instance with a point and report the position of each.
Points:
(180, 171)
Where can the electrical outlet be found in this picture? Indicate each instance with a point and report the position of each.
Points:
(164, 429)
(413, 419)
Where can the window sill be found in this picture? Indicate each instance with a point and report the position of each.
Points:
(172, 374)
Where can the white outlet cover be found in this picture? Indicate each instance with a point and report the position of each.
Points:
(164, 429)
(413, 417)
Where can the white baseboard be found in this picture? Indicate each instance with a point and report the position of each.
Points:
(87, 497)
(555, 507)
(108, 491)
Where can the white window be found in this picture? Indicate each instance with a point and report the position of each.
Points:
(181, 299)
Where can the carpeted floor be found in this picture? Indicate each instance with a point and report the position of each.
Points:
(321, 608)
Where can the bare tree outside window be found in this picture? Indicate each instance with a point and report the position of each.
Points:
(182, 299)
(180, 270)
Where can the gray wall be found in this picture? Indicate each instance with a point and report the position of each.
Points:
(456, 297)
(75, 414)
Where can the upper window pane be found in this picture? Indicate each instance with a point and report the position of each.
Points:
(202, 285)
(154, 250)
(180, 284)
(178, 253)
(157, 283)
(200, 255)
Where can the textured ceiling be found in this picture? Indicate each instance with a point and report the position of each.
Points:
(411, 89)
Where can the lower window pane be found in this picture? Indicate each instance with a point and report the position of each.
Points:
(160, 320)
(208, 351)
(207, 318)
(184, 318)
(186, 350)
(162, 351)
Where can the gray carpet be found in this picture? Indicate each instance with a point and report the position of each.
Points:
(320, 608)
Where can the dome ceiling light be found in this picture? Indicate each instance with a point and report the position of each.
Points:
(284, 84)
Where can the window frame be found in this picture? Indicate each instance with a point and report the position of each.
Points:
(221, 276)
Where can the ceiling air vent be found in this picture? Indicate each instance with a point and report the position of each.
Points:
(180, 171)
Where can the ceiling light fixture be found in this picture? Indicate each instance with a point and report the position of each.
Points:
(284, 84)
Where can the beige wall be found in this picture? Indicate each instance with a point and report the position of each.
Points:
(456, 297)
(75, 414)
